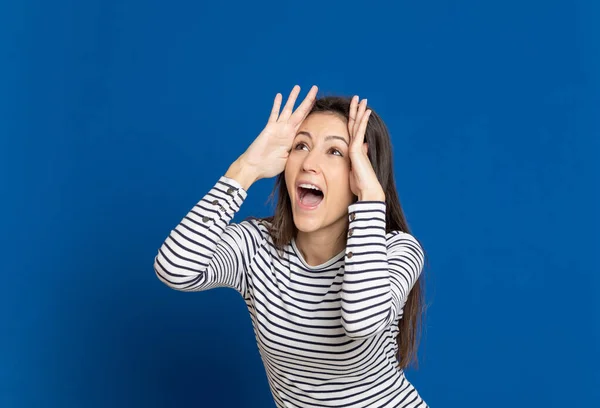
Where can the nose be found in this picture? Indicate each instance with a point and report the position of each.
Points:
(311, 162)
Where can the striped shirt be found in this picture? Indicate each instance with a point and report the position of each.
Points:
(326, 334)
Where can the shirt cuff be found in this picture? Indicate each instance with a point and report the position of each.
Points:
(363, 210)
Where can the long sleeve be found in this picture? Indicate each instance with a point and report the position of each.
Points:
(206, 250)
(380, 271)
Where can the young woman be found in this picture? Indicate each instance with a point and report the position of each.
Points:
(332, 280)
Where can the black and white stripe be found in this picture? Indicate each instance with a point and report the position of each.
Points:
(327, 333)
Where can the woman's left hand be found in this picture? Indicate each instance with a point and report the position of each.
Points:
(363, 180)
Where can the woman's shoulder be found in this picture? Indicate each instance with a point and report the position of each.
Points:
(404, 234)
(397, 237)
(256, 226)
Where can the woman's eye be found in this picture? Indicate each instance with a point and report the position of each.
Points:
(336, 151)
(299, 145)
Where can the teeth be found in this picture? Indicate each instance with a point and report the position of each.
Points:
(310, 186)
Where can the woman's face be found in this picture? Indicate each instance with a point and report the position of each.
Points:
(319, 157)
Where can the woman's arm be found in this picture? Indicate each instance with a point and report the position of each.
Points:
(380, 271)
(205, 250)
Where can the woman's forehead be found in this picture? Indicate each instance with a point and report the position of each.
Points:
(321, 125)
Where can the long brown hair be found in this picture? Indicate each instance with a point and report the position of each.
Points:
(282, 228)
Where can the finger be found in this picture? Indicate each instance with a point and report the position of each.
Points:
(287, 109)
(360, 110)
(362, 107)
(362, 128)
(304, 109)
(275, 109)
(352, 116)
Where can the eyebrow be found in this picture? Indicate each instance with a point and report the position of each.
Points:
(303, 132)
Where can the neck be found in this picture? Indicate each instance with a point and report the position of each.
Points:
(318, 247)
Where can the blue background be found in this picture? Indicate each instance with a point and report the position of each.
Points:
(117, 116)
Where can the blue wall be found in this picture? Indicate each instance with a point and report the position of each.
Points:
(117, 116)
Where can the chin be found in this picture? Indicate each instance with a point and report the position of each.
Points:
(304, 224)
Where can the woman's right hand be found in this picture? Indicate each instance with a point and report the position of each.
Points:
(267, 155)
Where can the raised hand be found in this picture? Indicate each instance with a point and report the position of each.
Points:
(267, 155)
(363, 180)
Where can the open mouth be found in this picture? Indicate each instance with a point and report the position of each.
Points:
(309, 197)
